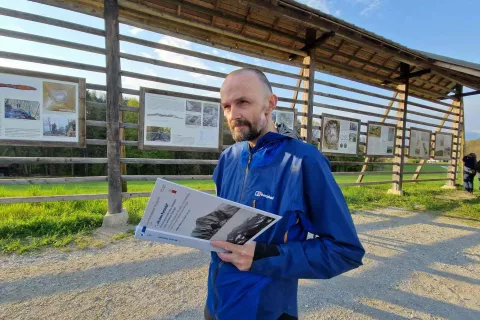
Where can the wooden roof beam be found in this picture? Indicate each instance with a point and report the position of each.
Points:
(358, 73)
(222, 14)
(95, 10)
(202, 37)
(144, 9)
(317, 43)
(274, 25)
(369, 60)
(313, 20)
(374, 65)
(412, 75)
(458, 96)
(217, 4)
(244, 27)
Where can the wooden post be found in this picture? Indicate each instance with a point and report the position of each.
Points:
(397, 187)
(367, 159)
(113, 110)
(297, 85)
(123, 151)
(72, 166)
(457, 116)
(310, 85)
(463, 149)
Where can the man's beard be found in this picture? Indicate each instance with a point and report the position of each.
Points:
(247, 133)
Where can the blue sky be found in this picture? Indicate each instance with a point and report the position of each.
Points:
(437, 26)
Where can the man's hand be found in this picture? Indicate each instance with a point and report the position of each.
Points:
(240, 256)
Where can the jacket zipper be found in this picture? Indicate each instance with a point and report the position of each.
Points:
(246, 175)
(215, 289)
(220, 264)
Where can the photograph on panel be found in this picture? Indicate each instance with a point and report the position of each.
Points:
(193, 106)
(22, 109)
(352, 137)
(353, 126)
(210, 115)
(375, 131)
(193, 120)
(59, 97)
(162, 134)
(331, 134)
(391, 134)
(63, 126)
(286, 118)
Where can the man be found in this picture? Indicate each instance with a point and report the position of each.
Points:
(469, 162)
(282, 175)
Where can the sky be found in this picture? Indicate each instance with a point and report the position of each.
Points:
(437, 26)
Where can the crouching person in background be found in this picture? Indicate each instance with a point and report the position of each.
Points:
(469, 163)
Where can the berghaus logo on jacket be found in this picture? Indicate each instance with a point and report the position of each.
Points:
(260, 194)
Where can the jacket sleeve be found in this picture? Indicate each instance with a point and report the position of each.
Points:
(217, 174)
(335, 248)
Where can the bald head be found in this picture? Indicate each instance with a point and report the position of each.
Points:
(258, 74)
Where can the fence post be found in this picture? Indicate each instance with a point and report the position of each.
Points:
(463, 149)
(397, 177)
(310, 85)
(457, 139)
(115, 215)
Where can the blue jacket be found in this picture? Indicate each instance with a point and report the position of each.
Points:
(290, 178)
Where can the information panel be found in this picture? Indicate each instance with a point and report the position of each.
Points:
(420, 140)
(340, 135)
(41, 109)
(443, 146)
(286, 116)
(174, 123)
(381, 139)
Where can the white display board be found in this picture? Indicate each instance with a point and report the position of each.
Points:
(286, 116)
(340, 135)
(420, 141)
(381, 139)
(175, 123)
(40, 109)
(443, 146)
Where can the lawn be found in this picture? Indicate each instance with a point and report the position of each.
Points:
(29, 226)
(146, 186)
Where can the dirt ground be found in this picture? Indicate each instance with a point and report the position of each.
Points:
(418, 266)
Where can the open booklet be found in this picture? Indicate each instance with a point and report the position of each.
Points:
(183, 216)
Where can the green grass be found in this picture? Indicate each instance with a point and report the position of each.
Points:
(90, 188)
(30, 226)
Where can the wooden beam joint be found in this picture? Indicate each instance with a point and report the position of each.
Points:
(457, 96)
(415, 74)
(314, 44)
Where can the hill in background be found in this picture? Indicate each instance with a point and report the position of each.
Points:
(474, 146)
(472, 135)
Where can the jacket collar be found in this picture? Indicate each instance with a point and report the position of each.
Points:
(268, 139)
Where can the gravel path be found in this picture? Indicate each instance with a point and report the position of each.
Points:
(418, 266)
